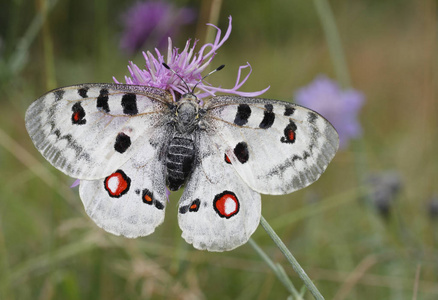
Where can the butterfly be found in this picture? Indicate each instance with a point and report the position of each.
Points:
(127, 144)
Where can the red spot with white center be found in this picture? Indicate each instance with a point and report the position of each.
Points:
(226, 204)
(117, 184)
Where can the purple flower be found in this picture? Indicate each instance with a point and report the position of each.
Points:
(153, 22)
(433, 207)
(189, 65)
(383, 190)
(340, 107)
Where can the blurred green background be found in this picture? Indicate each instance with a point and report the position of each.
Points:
(351, 245)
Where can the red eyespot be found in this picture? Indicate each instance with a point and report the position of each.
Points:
(289, 133)
(147, 198)
(117, 184)
(226, 204)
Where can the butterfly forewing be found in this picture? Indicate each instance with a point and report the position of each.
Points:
(275, 146)
(89, 130)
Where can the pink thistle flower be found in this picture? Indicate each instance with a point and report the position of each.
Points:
(340, 107)
(189, 65)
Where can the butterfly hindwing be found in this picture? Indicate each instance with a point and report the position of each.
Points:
(275, 146)
(217, 210)
(89, 130)
(130, 201)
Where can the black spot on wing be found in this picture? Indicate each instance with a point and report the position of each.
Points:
(289, 110)
(311, 117)
(58, 94)
(183, 209)
(147, 197)
(83, 92)
(102, 101)
(241, 152)
(71, 143)
(192, 207)
(242, 115)
(289, 133)
(306, 155)
(123, 142)
(158, 205)
(268, 118)
(78, 115)
(129, 104)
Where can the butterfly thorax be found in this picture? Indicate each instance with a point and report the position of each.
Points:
(186, 117)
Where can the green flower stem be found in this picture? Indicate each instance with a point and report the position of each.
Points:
(278, 270)
(20, 56)
(295, 265)
(49, 62)
(333, 41)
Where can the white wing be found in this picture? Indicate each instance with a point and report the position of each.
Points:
(217, 210)
(89, 130)
(131, 201)
(275, 146)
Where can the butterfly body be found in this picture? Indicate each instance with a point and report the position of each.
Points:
(180, 157)
(127, 143)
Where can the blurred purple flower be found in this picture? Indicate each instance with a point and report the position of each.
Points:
(384, 189)
(433, 207)
(152, 21)
(76, 183)
(187, 64)
(340, 107)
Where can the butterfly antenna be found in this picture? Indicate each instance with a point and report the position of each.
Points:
(167, 67)
(188, 88)
(214, 71)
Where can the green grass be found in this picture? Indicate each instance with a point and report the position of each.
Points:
(50, 249)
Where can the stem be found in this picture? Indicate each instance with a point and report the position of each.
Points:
(334, 41)
(278, 270)
(295, 265)
(20, 57)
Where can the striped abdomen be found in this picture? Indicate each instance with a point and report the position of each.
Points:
(179, 161)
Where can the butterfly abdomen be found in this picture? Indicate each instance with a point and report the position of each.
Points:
(179, 161)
